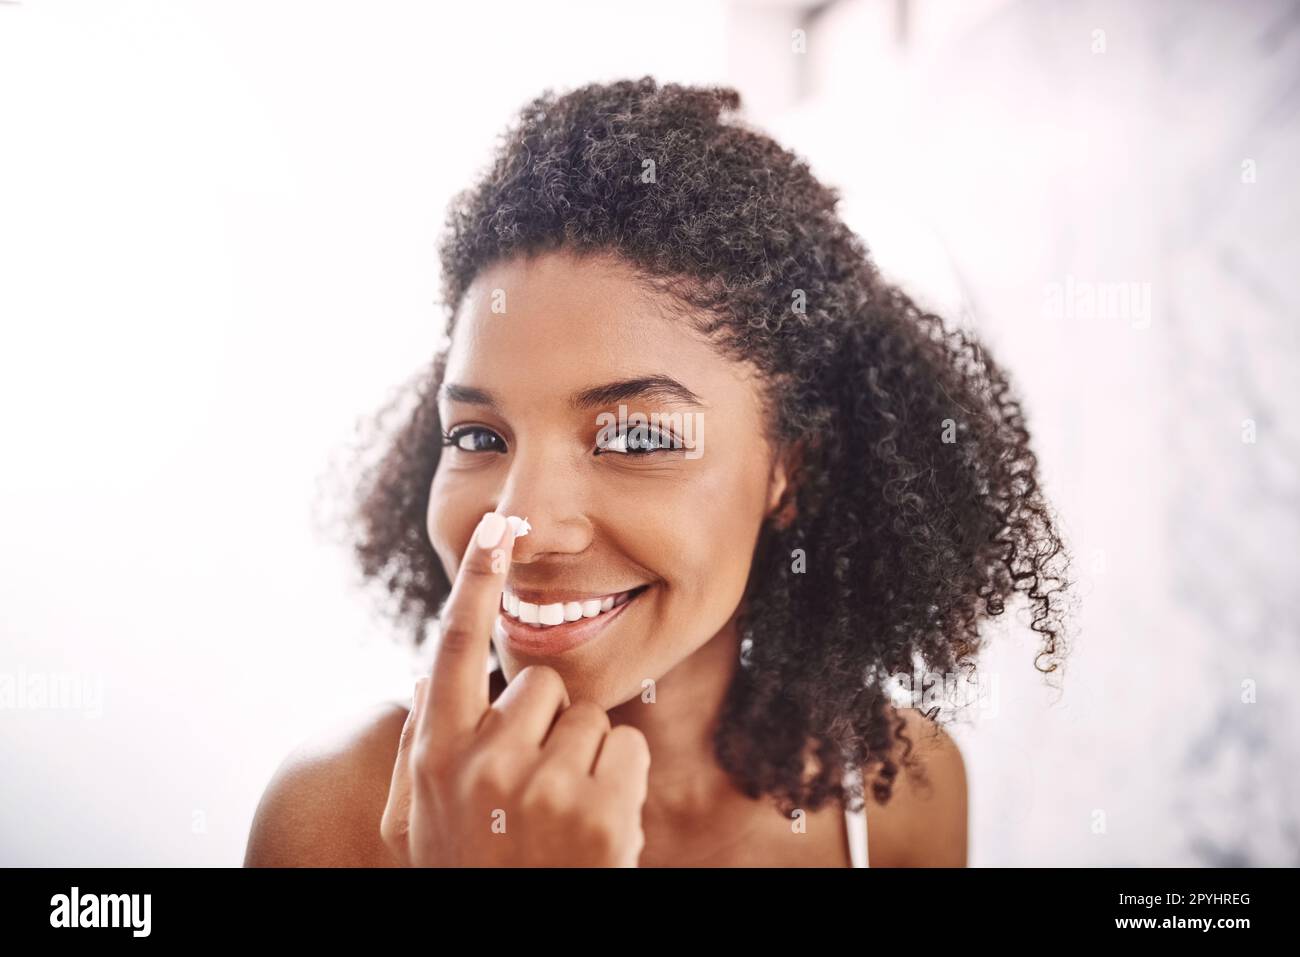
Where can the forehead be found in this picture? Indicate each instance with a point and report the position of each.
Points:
(555, 324)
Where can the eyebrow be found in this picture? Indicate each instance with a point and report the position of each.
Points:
(653, 387)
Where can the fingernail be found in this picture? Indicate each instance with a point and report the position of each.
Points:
(491, 528)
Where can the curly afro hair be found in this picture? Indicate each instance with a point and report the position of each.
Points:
(916, 509)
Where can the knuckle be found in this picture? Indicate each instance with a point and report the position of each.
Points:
(602, 833)
(543, 675)
(422, 757)
(633, 739)
(393, 829)
(588, 713)
(457, 633)
(490, 774)
(479, 565)
(428, 764)
(550, 792)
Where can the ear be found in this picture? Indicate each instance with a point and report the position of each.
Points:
(782, 484)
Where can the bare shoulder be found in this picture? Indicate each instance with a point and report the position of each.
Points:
(323, 805)
(924, 823)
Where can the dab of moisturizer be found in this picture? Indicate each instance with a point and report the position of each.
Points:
(518, 525)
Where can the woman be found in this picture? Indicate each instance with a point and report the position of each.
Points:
(758, 481)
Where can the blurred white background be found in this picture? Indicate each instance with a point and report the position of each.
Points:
(217, 228)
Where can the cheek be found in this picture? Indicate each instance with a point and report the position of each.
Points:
(454, 511)
(707, 547)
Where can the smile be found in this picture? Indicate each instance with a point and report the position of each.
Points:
(552, 613)
(552, 626)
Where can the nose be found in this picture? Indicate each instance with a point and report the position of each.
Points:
(550, 498)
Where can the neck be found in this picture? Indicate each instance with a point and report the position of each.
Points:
(689, 794)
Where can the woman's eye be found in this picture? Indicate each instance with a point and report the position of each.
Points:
(474, 439)
(638, 441)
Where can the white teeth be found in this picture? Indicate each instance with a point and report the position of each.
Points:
(556, 613)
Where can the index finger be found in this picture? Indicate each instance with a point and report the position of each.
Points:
(457, 695)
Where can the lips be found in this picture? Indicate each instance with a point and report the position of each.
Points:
(540, 639)
(549, 610)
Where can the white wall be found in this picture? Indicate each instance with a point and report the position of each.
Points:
(217, 227)
(1007, 149)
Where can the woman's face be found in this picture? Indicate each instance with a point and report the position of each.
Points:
(543, 354)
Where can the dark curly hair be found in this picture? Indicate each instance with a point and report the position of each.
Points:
(916, 505)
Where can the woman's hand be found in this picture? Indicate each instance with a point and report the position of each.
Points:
(492, 784)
